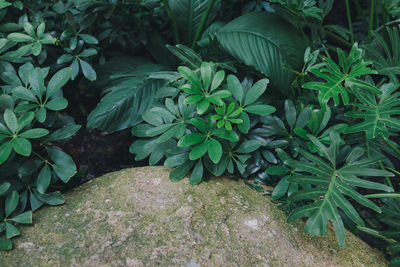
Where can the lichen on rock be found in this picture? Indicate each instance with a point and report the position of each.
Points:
(137, 217)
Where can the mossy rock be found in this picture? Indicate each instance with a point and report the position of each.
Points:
(137, 217)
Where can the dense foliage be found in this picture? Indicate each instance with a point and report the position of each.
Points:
(275, 92)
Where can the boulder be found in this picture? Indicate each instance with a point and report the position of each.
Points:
(137, 217)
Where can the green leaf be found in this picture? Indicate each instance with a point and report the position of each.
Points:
(203, 106)
(198, 151)
(256, 91)
(290, 113)
(225, 134)
(191, 76)
(5, 150)
(4, 187)
(24, 94)
(179, 173)
(10, 120)
(58, 81)
(244, 127)
(377, 115)
(248, 146)
(11, 231)
(214, 150)
(176, 160)
(206, 74)
(335, 76)
(88, 70)
(11, 203)
(268, 43)
(53, 198)
(197, 173)
(277, 170)
(19, 37)
(63, 133)
(5, 244)
(260, 109)
(36, 81)
(57, 104)
(34, 133)
(199, 124)
(235, 87)
(22, 146)
(188, 15)
(127, 98)
(89, 39)
(218, 79)
(41, 114)
(43, 180)
(64, 166)
(25, 218)
(191, 139)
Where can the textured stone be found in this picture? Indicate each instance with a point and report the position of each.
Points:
(137, 217)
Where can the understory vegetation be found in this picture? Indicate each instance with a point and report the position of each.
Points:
(287, 93)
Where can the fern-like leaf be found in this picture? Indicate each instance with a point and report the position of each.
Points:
(376, 113)
(326, 185)
(384, 53)
(336, 76)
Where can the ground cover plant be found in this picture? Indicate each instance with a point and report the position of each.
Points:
(283, 93)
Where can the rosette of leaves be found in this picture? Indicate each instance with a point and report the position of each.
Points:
(332, 178)
(202, 141)
(32, 39)
(35, 95)
(338, 76)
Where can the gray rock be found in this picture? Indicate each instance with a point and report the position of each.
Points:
(137, 217)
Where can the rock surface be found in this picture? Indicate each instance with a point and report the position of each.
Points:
(137, 217)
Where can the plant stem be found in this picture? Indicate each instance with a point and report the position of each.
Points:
(361, 14)
(202, 23)
(338, 38)
(173, 22)
(388, 181)
(371, 20)
(348, 14)
(389, 143)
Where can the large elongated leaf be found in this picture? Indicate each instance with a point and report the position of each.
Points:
(266, 42)
(188, 15)
(129, 94)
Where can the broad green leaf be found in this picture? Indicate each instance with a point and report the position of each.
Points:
(218, 79)
(10, 120)
(256, 91)
(36, 81)
(25, 218)
(11, 230)
(235, 87)
(57, 104)
(127, 98)
(191, 139)
(22, 146)
(248, 146)
(179, 173)
(5, 243)
(260, 109)
(225, 134)
(189, 14)
(197, 173)
(4, 187)
(43, 180)
(53, 198)
(268, 43)
(206, 74)
(63, 133)
(63, 166)
(58, 81)
(214, 150)
(24, 94)
(5, 150)
(198, 150)
(11, 203)
(290, 113)
(88, 70)
(19, 37)
(34, 133)
(89, 39)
